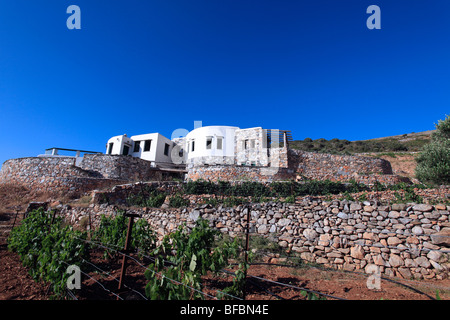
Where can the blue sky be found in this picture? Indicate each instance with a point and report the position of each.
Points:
(312, 67)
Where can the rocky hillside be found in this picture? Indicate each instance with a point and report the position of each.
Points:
(399, 150)
(408, 142)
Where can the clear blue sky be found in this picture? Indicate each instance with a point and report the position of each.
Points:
(141, 66)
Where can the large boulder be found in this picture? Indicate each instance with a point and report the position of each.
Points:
(442, 237)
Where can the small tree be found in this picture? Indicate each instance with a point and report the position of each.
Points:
(433, 164)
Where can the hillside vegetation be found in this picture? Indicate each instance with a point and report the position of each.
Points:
(412, 142)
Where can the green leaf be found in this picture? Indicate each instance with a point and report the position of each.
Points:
(193, 263)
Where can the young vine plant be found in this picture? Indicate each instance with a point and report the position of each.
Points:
(184, 257)
(46, 246)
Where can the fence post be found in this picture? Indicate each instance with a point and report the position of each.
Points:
(247, 246)
(17, 208)
(90, 225)
(126, 250)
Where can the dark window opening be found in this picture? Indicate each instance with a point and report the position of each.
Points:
(208, 143)
(110, 147)
(147, 145)
(166, 149)
(126, 150)
(137, 145)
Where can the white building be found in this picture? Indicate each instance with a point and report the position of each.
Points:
(231, 145)
(152, 147)
(211, 145)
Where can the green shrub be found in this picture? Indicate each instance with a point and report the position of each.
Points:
(258, 190)
(200, 187)
(148, 198)
(233, 201)
(290, 199)
(433, 164)
(211, 201)
(177, 201)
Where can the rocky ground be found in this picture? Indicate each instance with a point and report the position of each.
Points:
(403, 163)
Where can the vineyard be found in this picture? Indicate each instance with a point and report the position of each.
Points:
(122, 260)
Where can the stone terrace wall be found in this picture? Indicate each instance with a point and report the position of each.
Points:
(123, 167)
(322, 166)
(406, 241)
(52, 175)
(331, 165)
(118, 194)
(239, 173)
(58, 176)
(294, 164)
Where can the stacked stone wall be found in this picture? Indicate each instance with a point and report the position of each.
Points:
(289, 164)
(53, 176)
(322, 166)
(59, 176)
(123, 167)
(239, 173)
(402, 240)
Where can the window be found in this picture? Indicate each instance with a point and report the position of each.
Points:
(147, 145)
(252, 143)
(166, 149)
(219, 143)
(137, 145)
(110, 147)
(208, 143)
(193, 145)
(126, 150)
(245, 144)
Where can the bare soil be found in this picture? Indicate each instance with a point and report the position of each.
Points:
(402, 163)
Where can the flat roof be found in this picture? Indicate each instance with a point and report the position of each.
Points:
(75, 150)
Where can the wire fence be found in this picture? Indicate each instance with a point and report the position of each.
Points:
(145, 268)
(253, 277)
(255, 280)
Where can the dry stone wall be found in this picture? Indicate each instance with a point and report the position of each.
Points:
(122, 167)
(323, 165)
(57, 176)
(289, 164)
(238, 173)
(402, 240)
(52, 176)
